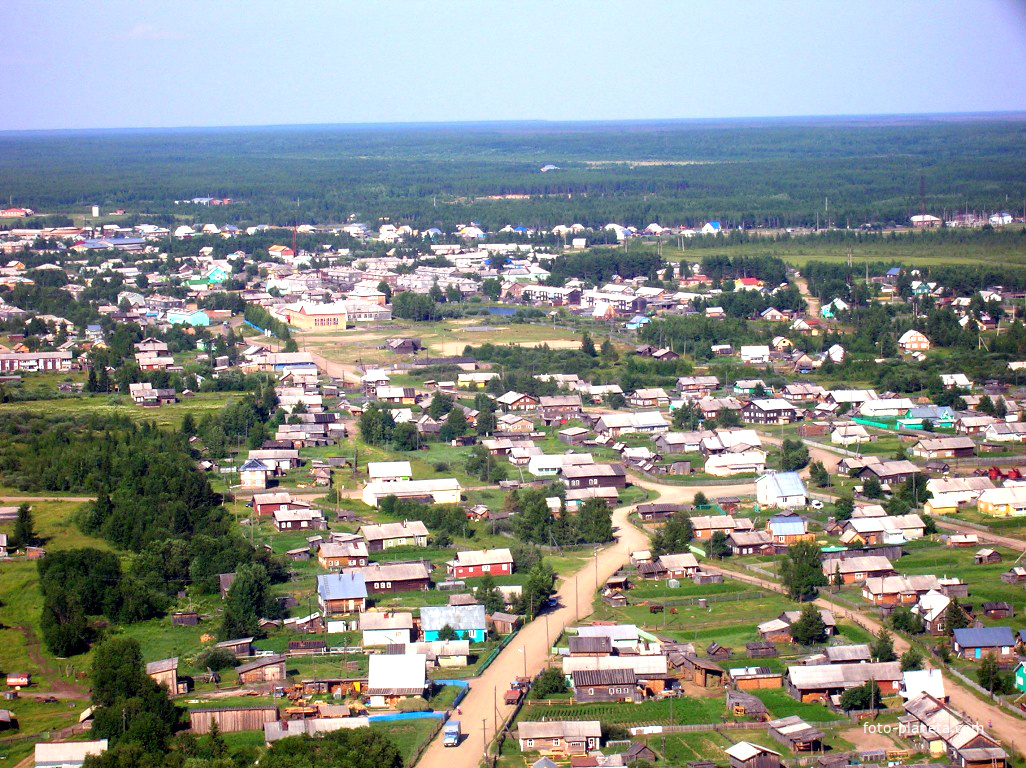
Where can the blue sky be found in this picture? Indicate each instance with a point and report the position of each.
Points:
(129, 63)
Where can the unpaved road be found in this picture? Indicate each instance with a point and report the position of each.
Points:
(531, 648)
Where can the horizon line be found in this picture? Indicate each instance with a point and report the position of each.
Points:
(990, 115)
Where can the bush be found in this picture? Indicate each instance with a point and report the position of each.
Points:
(416, 704)
(216, 659)
(550, 682)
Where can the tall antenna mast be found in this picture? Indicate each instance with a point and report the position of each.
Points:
(922, 195)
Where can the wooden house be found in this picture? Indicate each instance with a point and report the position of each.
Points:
(241, 647)
(744, 754)
(560, 738)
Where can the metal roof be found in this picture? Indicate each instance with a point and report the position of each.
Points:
(784, 484)
(985, 637)
(397, 673)
(465, 617)
(341, 586)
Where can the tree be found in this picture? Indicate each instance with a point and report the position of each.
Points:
(687, 417)
(595, 522)
(24, 529)
(608, 351)
(883, 647)
(810, 628)
(63, 623)
(454, 426)
(117, 671)
(405, 437)
(488, 594)
(675, 535)
(728, 418)
(955, 617)
(447, 633)
(700, 500)
(550, 682)
(188, 425)
(91, 383)
(486, 422)
(844, 508)
(492, 288)
(903, 620)
(588, 346)
(911, 659)
(349, 748)
(871, 488)
(990, 676)
(718, 547)
(801, 571)
(246, 603)
(441, 404)
(386, 289)
(537, 589)
(794, 455)
(866, 696)
(819, 475)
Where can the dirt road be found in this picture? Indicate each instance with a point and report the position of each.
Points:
(530, 648)
(993, 538)
(810, 300)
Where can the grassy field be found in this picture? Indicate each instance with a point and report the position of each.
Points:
(169, 416)
(909, 251)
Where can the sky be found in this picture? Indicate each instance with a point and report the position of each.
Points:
(69, 64)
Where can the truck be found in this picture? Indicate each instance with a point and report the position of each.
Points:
(451, 734)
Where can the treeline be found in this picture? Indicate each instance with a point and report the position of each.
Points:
(150, 499)
(534, 522)
(530, 361)
(770, 269)
(599, 266)
(694, 335)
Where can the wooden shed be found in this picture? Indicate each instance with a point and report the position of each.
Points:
(184, 619)
(241, 647)
(504, 623)
(270, 669)
(231, 719)
(744, 754)
(987, 557)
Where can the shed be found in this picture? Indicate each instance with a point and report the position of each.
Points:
(744, 754)
(231, 719)
(269, 669)
(987, 557)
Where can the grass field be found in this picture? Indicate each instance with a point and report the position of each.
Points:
(169, 416)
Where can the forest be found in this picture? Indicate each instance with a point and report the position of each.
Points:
(770, 172)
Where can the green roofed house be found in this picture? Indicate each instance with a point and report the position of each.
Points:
(1020, 677)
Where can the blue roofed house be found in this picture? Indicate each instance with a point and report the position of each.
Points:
(712, 228)
(637, 322)
(217, 275)
(195, 317)
(786, 530)
(467, 621)
(976, 644)
(784, 490)
(341, 593)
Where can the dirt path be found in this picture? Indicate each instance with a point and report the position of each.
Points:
(58, 688)
(71, 499)
(812, 301)
(993, 538)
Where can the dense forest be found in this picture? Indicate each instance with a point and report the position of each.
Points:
(778, 172)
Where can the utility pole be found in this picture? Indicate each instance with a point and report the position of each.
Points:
(484, 738)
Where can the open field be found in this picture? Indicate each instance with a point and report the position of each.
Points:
(169, 416)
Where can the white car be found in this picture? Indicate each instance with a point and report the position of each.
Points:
(816, 504)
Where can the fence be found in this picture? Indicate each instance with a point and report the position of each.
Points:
(494, 654)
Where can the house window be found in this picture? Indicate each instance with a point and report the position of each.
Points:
(529, 742)
(388, 585)
(591, 691)
(555, 742)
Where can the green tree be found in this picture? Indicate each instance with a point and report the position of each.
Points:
(903, 620)
(675, 535)
(861, 697)
(63, 623)
(246, 603)
(447, 633)
(488, 594)
(550, 682)
(810, 628)
(455, 425)
(794, 455)
(990, 676)
(871, 488)
(386, 289)
(883, 647)
(801, 571)
(955, 617)
(728, 418)
(441, 404)
(91, 383)
(588, 346)
(595, 522)
(350, 748)
(405, 437)
(486, 422)
(24, 534)
(687, 417)
(608, 351)
(188, 427)
(819, 475)
(844, 508)
(911, 659)
(718, 547)
(491, 288)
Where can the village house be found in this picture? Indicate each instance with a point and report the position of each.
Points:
(299, 518)
(477, 563)
(1003, 502)
(597, 685)
(444, 490)
(389, 578)
(343, 554)
(66, 754)
(392, 678)
(944, 448)
(386, 628)
(165, 672)
(769, 411)
(898, 590)
(678, 566)
(890, 472)
(782, 490)
(409, 533)
(516, 401)
(821, 682)
(974, 644)
(744, 754)
(595, 475)
(560, 739)
(913, 341)
(705, 526)
(939, 731)
(873, 531)
(855, 570)
(788, 530)
(743, 543)
(389, 471)
(341, 593)
(467, 621)
(649, 398)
